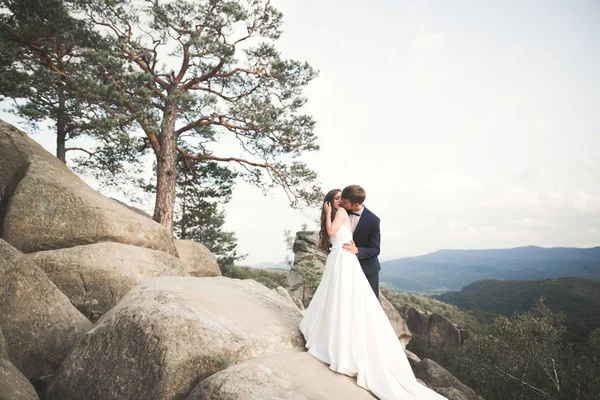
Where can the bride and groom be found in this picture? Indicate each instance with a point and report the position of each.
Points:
(344, 325)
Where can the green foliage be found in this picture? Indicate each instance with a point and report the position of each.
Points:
(269, 277)
(520, 354)
(578, 298)
(311, 275)
(582, 376)
(454, 360)
(49, 74)
(201, 73)
(202, 189)
(473, 320)
(197, 78)
(523, 357)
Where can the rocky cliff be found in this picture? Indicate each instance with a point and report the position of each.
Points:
(98, 301)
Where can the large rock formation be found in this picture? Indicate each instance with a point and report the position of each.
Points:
(280, 290)
(307, 254)
(197, 259)
(396, 320)
(279, 375)
(13, 384)
(44, 206)
(226, 338)
(96, 276)
(167, 334)
(39, 323)
(436, 376)
(439, 331)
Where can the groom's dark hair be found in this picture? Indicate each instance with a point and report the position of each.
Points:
(354, 193)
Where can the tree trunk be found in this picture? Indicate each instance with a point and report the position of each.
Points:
(184, 213)
(61, 127)
(166, 169)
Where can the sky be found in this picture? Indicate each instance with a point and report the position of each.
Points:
(470, 124)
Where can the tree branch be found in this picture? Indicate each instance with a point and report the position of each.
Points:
(504, 373)
(91, 153)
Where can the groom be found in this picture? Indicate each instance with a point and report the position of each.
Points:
(366, 235)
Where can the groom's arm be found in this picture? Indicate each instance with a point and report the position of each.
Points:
(373, 245)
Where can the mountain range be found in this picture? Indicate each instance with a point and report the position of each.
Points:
(448, 270)
(272, 265)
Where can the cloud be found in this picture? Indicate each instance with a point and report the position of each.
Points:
(428, 42)
(450, 181)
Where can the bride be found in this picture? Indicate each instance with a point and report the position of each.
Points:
(345, 326)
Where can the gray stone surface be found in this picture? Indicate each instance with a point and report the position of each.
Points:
(168, 334)
(436, 376)
(197, 259)
(439, 331)
(413, 359)
(452, 393)
(281, 375)
(44, 206)
(396, 320)
(13, 384)
(443, 333)
(39, 323)
(306, 250)
(96, 276)
(280, 290)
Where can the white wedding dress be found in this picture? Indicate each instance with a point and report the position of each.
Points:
(345, 327)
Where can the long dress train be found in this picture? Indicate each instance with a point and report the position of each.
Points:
(345, 327)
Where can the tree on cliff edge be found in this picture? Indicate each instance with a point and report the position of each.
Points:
(205, 84)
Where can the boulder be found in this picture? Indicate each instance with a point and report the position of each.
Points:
(96, 276)
(39, 323)
(3, 353)
(133, 208)
(280, 290)
(418, 321)
(443, 334)
(436, 376)
(413, 359)
(197, 259)
(452, 393)
(306, 251)
(13, 384)
(168, 334)
(439, 331)
(279, 375)
(396, 320)
(44, 206)
(298, 303)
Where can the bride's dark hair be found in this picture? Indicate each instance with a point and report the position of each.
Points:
(324, 241)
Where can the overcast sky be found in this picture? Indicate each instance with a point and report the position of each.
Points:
(470, 124)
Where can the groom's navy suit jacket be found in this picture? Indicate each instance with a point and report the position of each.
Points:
(367, 238)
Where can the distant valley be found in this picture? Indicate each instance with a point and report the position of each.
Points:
(271, 265)
(450, 270)
(577, 298)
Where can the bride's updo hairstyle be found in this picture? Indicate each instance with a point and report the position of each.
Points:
(324, 241)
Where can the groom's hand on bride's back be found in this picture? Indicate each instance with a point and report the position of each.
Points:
(351, 247)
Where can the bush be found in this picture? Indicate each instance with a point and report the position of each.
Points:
(269, 277)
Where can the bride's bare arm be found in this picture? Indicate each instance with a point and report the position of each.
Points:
(340, 217)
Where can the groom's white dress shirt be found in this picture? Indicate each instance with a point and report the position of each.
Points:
(355, 218)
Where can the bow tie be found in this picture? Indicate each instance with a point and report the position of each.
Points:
(353, 213)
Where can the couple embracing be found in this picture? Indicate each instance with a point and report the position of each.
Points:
(344, 325)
